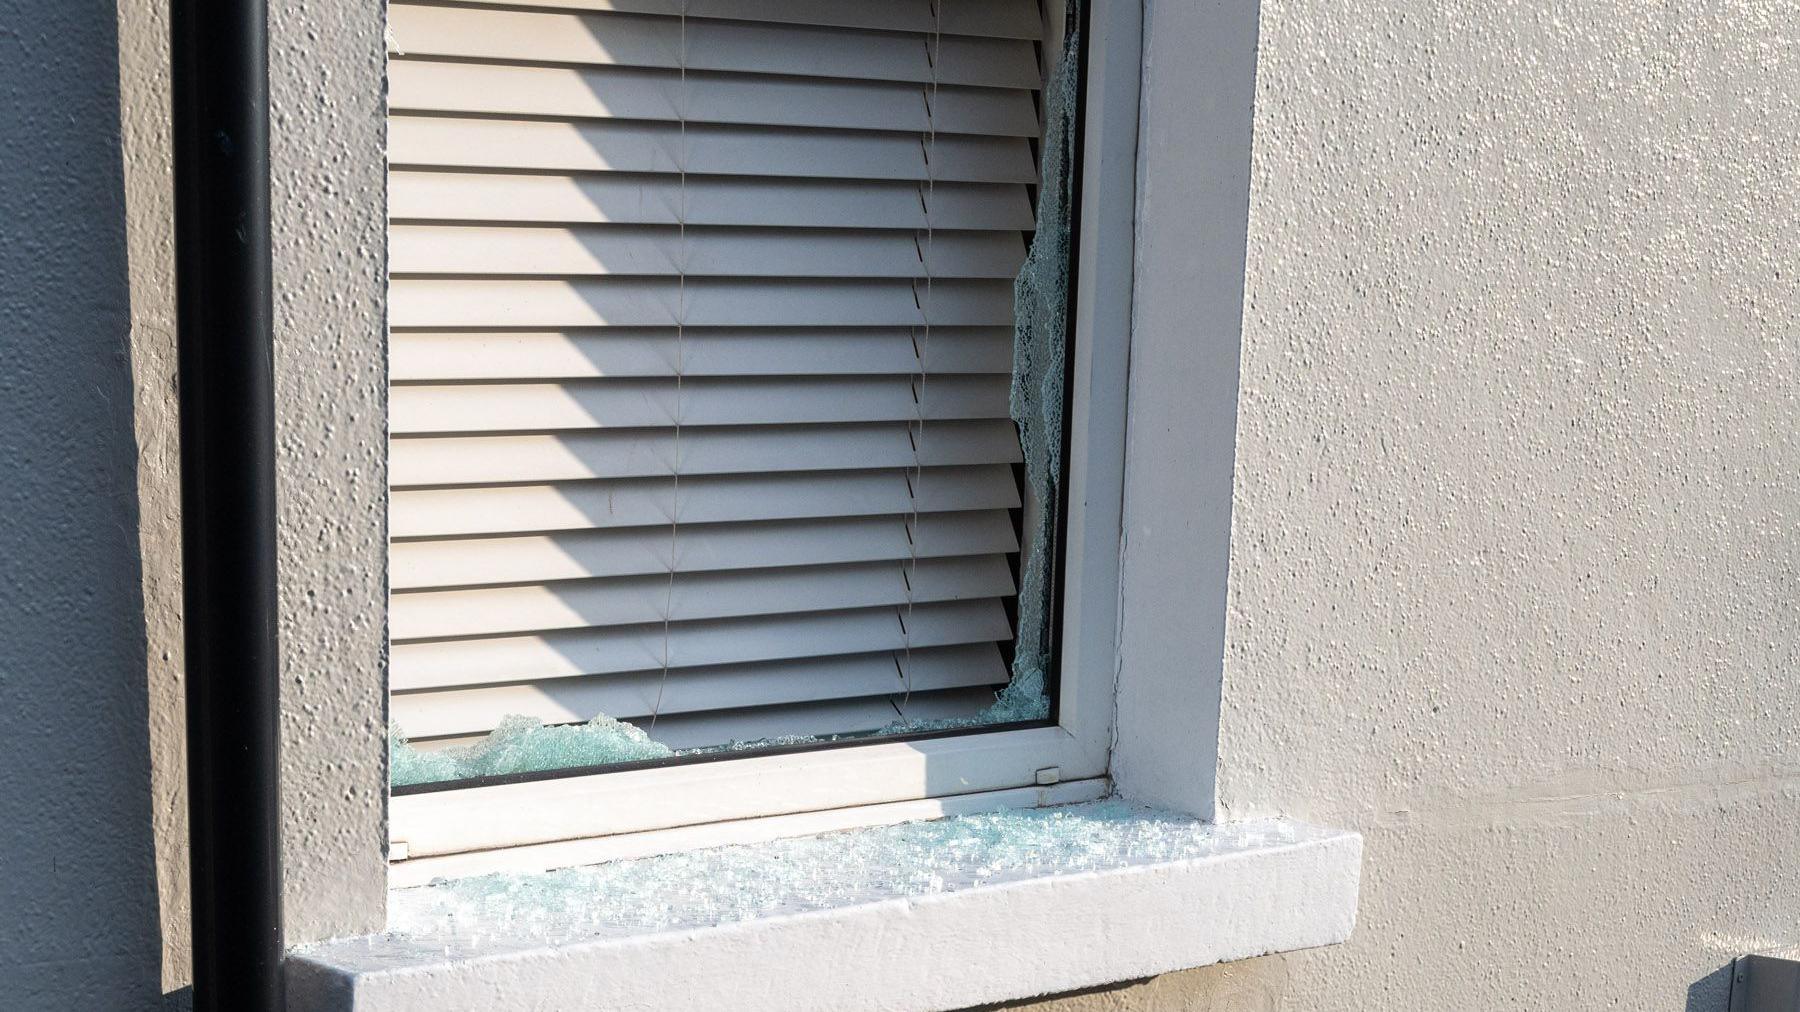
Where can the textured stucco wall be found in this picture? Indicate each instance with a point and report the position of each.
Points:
(328, 175)
(331, 356)
(327, 84)
(144, 132)
(93, 540)
(78, 884)
(1516, 532)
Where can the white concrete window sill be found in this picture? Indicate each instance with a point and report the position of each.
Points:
(925, 915)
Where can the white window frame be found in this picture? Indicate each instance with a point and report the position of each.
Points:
(1075, 752)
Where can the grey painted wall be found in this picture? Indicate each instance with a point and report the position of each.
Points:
(93, 890)
(1516, 533)
(78, 888)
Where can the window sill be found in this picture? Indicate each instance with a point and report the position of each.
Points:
(1008, 910)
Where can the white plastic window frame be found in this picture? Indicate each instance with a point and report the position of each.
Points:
(1075, 753)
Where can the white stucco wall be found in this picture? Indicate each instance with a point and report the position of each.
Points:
(330, 351)
(1516, 535)
(144, 140)
(328, 153)
(328, 176)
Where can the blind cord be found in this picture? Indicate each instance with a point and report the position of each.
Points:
(921, 353)
(681, 275)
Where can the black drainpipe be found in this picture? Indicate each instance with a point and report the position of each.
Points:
(219, 68)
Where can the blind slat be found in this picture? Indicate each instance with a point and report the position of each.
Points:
(658, 199)
(651, 403)
(804, 719)
(702, 252)
(634, 600)
(738, 47)
(700, 548)
(630, 146)
(1009, 19)
(692, 690)
(415, 356)
(707, 302)
(509, 509)
(492, 460)
(616, 650)
(622, 93)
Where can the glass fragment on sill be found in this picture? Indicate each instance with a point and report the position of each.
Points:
(730, 884)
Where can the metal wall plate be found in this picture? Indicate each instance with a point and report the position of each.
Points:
(1763, 983)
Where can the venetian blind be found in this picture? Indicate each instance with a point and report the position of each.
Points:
(701, 343)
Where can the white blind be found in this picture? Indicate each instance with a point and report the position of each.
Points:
(726, 296)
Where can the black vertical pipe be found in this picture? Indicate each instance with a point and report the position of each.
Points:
(219, 65)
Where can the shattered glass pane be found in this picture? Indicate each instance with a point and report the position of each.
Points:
(522, 745)
(1040, 354)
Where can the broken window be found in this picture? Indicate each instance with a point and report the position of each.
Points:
(728, 370)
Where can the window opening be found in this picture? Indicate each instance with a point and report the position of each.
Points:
(716, 204)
